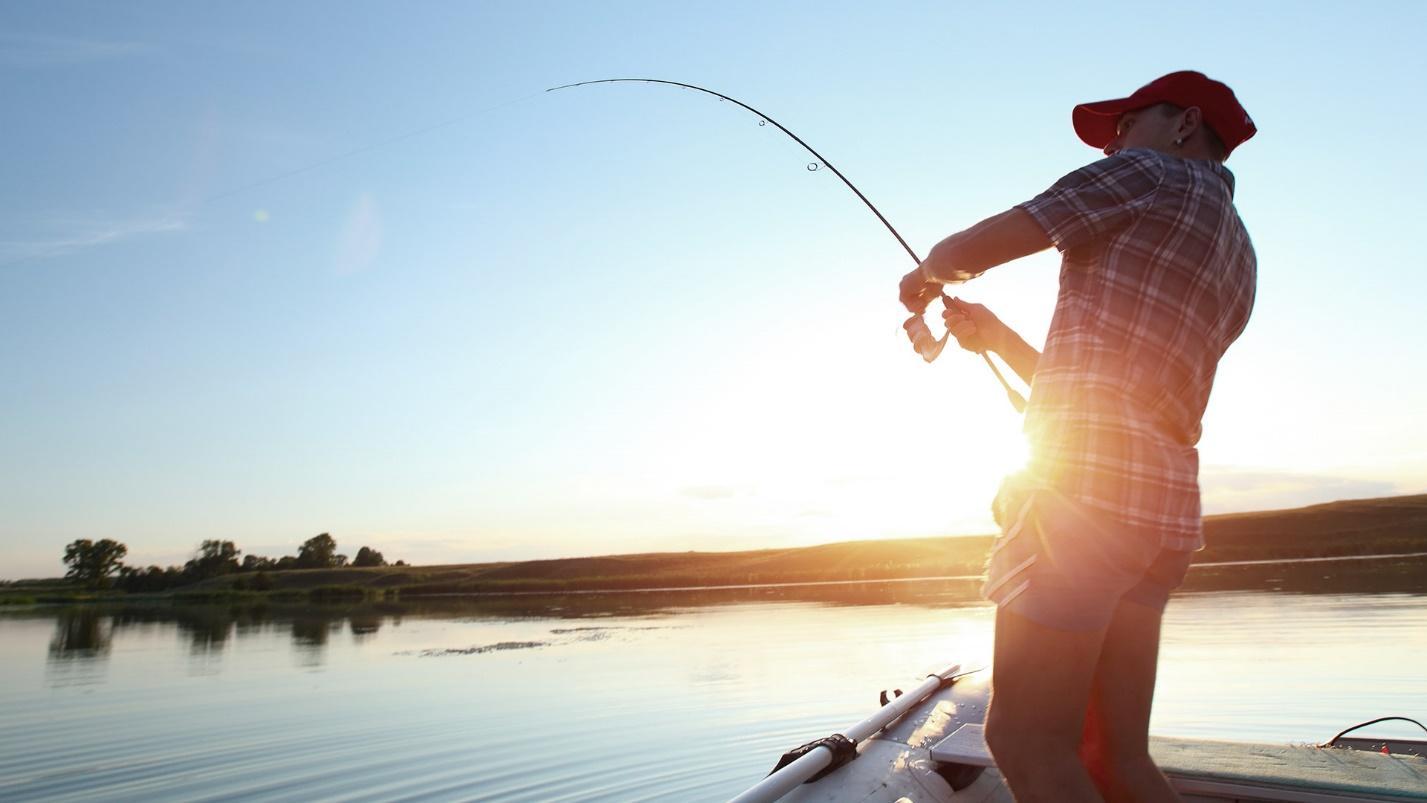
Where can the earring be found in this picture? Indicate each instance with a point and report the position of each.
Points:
(1179, 143)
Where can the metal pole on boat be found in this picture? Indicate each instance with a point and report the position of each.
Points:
(788, 778)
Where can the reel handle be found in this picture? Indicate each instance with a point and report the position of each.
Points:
(921, 336)
(930, 348)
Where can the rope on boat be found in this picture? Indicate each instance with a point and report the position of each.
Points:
(1333, 742)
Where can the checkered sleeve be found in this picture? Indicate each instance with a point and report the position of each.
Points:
(1097, 200)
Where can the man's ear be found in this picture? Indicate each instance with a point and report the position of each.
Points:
(1189, 122)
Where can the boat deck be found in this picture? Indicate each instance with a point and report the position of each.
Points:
(933, 754)
(1214, 770)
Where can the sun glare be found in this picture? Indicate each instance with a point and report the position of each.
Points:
(843, 443)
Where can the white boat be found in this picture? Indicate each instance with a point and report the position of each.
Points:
(926, 746)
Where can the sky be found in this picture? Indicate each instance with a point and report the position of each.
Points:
(272, 269)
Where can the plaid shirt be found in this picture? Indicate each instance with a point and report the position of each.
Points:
(1157, 279)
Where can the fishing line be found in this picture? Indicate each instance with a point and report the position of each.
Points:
(926, 345)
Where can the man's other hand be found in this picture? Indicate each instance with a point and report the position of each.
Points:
(974, 327)
(916, 292)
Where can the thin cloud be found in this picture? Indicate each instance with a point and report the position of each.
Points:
(42, 50)
(360, 241)
(83, 235)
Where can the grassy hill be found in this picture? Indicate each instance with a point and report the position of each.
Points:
(1350, 527)
(1356, 527)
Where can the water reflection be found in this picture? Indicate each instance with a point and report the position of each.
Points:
(85, 634)
(206, 630)
(364, 625)
(82, 634)
(311, 631)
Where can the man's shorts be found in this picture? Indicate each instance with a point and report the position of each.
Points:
(1067, 566)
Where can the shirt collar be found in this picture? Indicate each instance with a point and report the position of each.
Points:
(1223, 173)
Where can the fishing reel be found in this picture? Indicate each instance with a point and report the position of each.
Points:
(930, 347)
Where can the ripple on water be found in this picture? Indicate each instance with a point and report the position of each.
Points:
(693, 704)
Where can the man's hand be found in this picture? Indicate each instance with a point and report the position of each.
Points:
(974, 327)
(916, 292)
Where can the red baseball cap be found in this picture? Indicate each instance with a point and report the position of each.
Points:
(1095, 122)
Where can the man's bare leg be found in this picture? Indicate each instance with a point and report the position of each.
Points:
(1115, 748)
(1041, 680)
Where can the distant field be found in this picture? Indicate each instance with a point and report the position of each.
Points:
(1357, 527)
(1394, 525)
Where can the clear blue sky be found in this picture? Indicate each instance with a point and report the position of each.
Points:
(627, 318)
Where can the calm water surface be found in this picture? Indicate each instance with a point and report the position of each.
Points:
(671, 696)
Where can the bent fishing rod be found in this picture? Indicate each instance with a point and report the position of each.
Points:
(916, 326)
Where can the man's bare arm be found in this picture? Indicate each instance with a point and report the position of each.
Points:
(967, 254)
(994, 241)
(1020, 355)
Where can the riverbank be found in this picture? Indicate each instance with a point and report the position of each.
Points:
(1387, 526)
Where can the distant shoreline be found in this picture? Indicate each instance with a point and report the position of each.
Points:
(1331, 559)
(928, 579)
(1354, 529)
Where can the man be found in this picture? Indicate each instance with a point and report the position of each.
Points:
(1157, 279)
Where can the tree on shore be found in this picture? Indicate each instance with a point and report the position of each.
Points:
(366, 556)
(257, 563)
(319, 552)
(153, 579)
(213, 559)
(92, 562)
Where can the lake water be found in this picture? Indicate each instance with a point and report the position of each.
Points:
(637, 696)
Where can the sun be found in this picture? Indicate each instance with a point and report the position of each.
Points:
(843, 445)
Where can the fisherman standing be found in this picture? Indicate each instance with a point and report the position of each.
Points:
(1157, 280)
